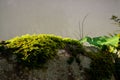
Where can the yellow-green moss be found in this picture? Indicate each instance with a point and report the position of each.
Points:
(34, 51)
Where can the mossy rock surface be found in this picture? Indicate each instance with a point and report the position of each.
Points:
(35, 50)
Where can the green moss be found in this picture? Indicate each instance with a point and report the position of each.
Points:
(101, 67)
(34, 51)
(118, 42)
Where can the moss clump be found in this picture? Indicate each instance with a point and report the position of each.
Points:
(102, 65)
(33, 51)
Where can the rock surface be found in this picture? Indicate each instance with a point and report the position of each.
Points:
(57, 69)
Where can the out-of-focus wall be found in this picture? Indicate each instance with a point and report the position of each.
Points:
(60, 17)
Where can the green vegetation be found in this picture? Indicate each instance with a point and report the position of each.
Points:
(100, 42)
(101, 67)
(116, 19)
(33, 51)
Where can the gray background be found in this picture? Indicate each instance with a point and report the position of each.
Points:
(60, 17)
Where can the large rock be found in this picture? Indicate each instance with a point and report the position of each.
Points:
(57, 69)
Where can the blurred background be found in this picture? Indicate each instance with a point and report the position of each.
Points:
(59, 17)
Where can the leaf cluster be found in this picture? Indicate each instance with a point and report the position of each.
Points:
(116, 19)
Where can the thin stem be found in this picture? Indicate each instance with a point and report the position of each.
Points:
(83, 25)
